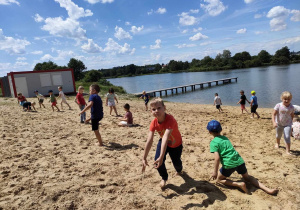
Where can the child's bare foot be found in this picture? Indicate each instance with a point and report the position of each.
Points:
(99, 145)
(276, 146)
(272, 191)
(243, 187)
(178, 174)
(288, 153)
(163, 183)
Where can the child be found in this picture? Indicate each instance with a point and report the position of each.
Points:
(243, 102)
(170, 140)
(296, 128)
(146, 98)
(79, 100)
(231, 161)
(218, 102)
(95, 103)
(110, 100)
(27, 106)
(127, 120)
(63, 97)
(253, 104)
(40, 98)
(21, 99)
(282, 119)
(53, 101)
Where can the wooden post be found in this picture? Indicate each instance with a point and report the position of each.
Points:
(217, 82)
(172, 91)
(201, 85)
(176, 91)
(160, 93)
(209, 84)
(185, 88)
(166, 92)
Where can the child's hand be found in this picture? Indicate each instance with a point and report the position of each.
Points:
(158, 162)
(213, 176)
(275, 125)
(145, 164)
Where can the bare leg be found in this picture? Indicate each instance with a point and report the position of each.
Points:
(277, 143)
(257, 184)
(223, 180)
(56, 108)
(257, 115)
(110, 110)
(52, 108)
(98, 136)
(163, 183)
(288, 148)
(115, 109)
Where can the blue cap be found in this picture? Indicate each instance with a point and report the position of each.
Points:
(50, 91)
(35, 91)
(214, 126)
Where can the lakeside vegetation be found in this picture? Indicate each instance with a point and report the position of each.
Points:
(223, 61)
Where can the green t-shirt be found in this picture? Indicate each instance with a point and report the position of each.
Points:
(229, 157)
(52, 98)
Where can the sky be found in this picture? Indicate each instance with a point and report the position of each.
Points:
(110, 33)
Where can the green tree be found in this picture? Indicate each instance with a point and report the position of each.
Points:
(78, 68)
(264, 56)
(50, 65)
(285, 52)
(93, 76)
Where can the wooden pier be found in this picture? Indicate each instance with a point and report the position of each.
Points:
(184, 88)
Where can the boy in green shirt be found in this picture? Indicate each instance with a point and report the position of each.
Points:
(231, 161)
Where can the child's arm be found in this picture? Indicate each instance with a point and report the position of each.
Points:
(116, 99)
(239, 101)
(163, 149)
(90, 104)
(216, 166)
(147, 149)
(251, 102)
(273, 118)
(106, 101)
(214, 101)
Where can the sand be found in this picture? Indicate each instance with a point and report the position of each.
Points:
(49, 160)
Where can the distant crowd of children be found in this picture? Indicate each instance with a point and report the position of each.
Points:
(170, 141)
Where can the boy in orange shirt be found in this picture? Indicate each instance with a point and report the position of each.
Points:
(170, 141)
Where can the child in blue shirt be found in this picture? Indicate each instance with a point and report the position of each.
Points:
(95, 104)
(253, 104)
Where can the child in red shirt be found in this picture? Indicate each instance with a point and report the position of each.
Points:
(81, 103)
(170, 141)
(21, 99)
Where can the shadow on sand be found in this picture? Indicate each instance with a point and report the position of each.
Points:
(116, 146)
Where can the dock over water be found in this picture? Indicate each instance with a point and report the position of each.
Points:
(185, 88)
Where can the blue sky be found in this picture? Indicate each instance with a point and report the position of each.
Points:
(108, 33)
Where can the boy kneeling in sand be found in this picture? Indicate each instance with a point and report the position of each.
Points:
(231, 161)
(170, 141)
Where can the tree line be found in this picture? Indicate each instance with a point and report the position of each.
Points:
(223, 61)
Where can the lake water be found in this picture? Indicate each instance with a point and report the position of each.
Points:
(268, 82)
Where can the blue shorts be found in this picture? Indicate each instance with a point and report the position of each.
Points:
(241, 169)
(95, 124)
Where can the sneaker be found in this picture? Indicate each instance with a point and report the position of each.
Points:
(81, 121)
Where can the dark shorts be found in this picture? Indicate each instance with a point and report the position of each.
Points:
(146, 101)
(241, 169)
(95, 124)
(41, 101)
(253, 108)
(296, 113)
(218, 106)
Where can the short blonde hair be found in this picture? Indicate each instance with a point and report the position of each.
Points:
(80, 87)
(286, 94)
(156, 101)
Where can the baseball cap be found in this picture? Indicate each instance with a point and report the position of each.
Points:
(252, 92)
(50, 91)
(35, 91)
(214, 126)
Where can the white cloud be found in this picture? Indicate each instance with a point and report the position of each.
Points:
(279, 15)
(296, 15)
(63, 54)
(121, 34)
(195, 11)
(114, 47)
(38, 52)
(186, 19)
(241, 31)
(213, 7)
(257, 16)
(135, 29)
(74, 11)
(144, 47)
(21, 59)
(185, 45)
(91, 47)
(197, 29)
(46, 57)
(258, 32)
(38, 18)
(8, 2)
(161, 10)
(12, 45)
(248, 1)
(157, 45)
(184, 31)
(150, 12)
(198, 36)
(127, 23)
(97, 1)
(64, 28)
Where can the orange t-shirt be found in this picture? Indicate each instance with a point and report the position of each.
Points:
(175, 139)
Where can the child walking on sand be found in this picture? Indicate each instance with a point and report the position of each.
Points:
(242, 101)
(63, 97)
(95, 104)
(40, 98)
(127, 120)
(282, 119)
(170, 140)
(231, 161)
(110, 100)
(253, 104)
(21, 99)
(53, 100)
(146, 98)
(79, 100)
(27, 106)
(218, 102)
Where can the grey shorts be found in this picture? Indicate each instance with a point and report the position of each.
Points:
(286, 131)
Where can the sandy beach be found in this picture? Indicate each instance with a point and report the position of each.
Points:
(49, 160)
